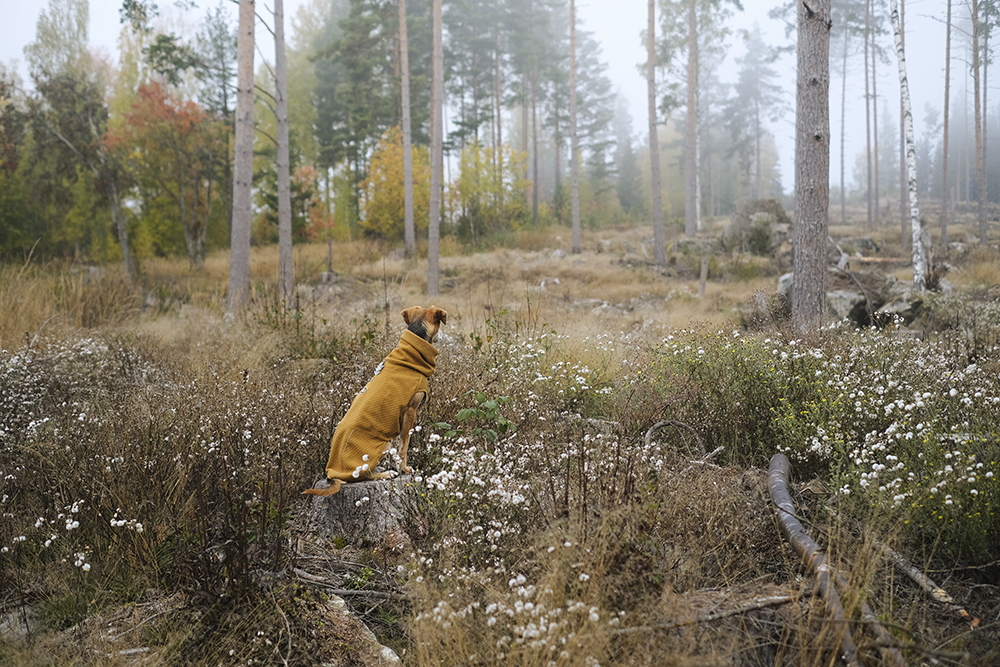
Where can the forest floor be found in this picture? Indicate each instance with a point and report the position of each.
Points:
(571, 509)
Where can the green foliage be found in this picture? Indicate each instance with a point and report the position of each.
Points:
(383, 204)
(484, 419)
(490, 193)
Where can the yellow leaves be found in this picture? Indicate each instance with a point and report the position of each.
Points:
(382, 192)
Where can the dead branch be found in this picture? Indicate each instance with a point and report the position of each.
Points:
(758, 603)
(677, 424)
(326, 583)
(885, 639)
(937, 593)
(702, 461)
(777, 482)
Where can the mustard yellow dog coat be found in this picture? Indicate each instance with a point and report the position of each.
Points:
(376, 415)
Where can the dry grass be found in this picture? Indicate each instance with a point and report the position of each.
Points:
(149, 401)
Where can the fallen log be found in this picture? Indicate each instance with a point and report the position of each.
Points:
(815, 560)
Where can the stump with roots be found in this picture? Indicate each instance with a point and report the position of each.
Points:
(366, 512)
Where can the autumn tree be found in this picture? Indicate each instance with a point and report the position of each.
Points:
(383, 199)
(170, 144)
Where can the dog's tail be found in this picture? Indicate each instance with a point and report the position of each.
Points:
(334, 487)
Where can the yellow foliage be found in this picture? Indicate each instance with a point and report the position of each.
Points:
(382, 203)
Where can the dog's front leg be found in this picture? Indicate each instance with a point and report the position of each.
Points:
(404, 435)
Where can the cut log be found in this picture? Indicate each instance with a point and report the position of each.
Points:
(365, 512)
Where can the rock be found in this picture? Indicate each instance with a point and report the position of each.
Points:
(366, 512)
(844, 304)
(548, 281)
(945, 286)
(905, 307)
(785, 284)
(606, 310)
(757, 225)
(860, 246)
(558, 253)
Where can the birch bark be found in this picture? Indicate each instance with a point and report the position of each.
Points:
(917, 233)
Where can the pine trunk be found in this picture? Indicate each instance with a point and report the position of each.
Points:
(977, 101)
(409, 227)
(944, 166)
(659, 238)
(286, 276)
(917, 235)
(878, 203)
(692, 208)
(239, 260)
(812, 164)
(574, 162)
(437, 163)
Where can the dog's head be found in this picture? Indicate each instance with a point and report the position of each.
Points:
(425, 322)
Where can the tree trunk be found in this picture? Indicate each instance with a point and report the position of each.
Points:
(944, 167)
(659, 238)
(286, 276)
(978, 120)
(409, 226)
(812, 164)
(917, 235)
(904, 204)
(868, 117)
(692, 207)
(118, 220)
(498, 149)
(437, 128)
(536, 185)
(239, 259)
(574, 160)
(878, 215)
(843, 126)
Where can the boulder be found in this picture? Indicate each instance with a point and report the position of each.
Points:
(844, 304)
(758, 226)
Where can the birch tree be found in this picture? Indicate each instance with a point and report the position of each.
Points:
(918, 237)
(286, 276)
(239, 258)
(437, 109)
(574, 164)
(659, 239)
(944, 159)
(409, 231)
(812, 163)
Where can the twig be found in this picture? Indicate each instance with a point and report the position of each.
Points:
(885, 639)
(936, 592)
(759, 603)
(806, 547)
(288, 628)
(670, 422)
(702, 461)
(326, 583)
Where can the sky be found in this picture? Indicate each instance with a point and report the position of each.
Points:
(617, 24)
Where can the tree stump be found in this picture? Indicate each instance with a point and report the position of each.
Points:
(365, 512)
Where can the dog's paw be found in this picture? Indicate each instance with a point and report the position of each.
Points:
(407, 470)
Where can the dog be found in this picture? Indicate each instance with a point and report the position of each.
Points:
(386, 406)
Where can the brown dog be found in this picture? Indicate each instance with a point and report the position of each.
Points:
(386, 406)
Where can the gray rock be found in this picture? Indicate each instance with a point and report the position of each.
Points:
(844, 304)
(785, 284)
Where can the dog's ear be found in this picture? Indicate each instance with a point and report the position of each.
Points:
(411, 313)
(440, 315)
